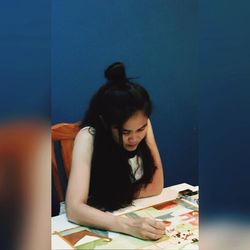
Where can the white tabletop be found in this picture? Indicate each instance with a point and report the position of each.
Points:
(60, 222)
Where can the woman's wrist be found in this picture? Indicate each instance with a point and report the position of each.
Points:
(122, 224)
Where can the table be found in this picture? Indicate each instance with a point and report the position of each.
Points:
(60, 222)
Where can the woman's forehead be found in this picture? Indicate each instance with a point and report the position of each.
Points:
(136, 121)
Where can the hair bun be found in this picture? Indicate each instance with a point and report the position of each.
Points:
(116, 72)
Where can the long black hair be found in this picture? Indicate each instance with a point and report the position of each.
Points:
(112, 184)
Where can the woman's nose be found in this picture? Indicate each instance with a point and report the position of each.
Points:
(133, 138)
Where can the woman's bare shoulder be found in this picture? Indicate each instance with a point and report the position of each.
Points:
(85, 133)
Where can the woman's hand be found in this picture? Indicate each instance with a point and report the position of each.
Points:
(144, 228)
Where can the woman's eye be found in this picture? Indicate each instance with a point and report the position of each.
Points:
(141, 129)
(125, 132)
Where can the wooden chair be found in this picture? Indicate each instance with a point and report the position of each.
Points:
(64, 133)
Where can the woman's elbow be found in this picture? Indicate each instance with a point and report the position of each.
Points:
(71, 211)
(70, 214)
(158, 189)
(155, 189)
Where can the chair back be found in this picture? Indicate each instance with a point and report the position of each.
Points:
(64, 133)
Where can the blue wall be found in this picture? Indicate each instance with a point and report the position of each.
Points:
(224, 136)
(25, 60)
(157, 41)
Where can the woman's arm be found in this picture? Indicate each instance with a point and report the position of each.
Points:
(77, 194)
(78, 186)
(156, 186)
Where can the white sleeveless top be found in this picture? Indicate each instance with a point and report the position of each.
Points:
(136, 166)
(135, 162)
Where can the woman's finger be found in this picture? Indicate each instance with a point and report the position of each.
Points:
(157, 224)
(155, 230)
(153, 236)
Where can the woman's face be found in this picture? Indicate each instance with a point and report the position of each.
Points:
(133, 131)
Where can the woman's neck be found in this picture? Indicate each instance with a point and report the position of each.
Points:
(131, 154)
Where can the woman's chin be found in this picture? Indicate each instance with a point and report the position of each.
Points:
(131, 148)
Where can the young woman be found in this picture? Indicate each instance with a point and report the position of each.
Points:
(115, 159)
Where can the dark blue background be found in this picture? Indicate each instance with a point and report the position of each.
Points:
(224, 136)
(157, 41)
(25, 60)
